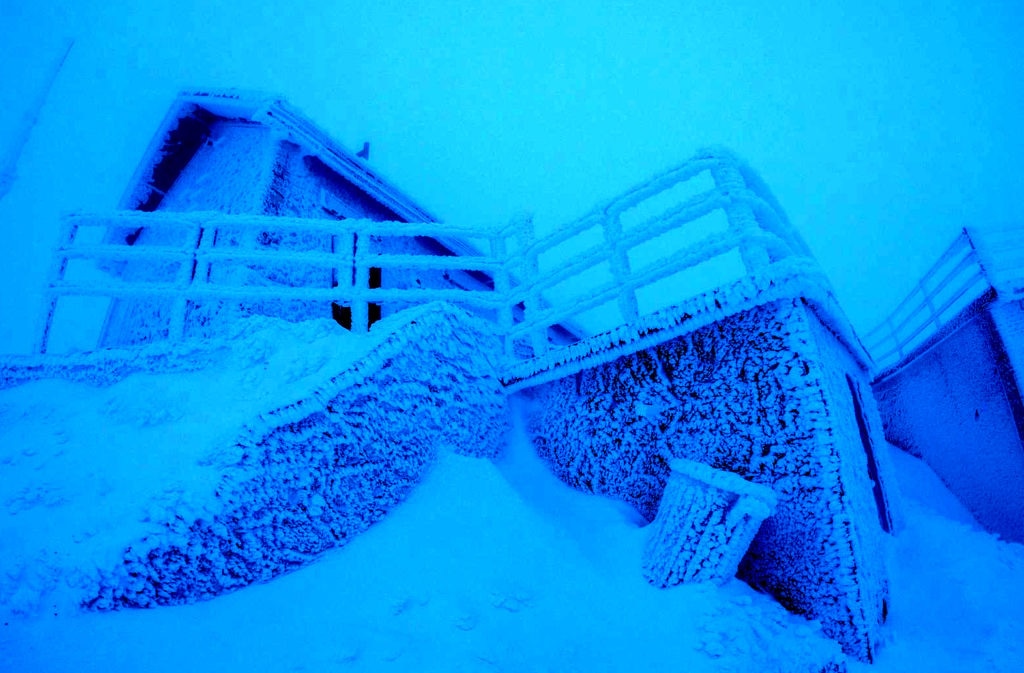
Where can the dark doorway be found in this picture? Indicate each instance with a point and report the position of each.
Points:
(884, 519)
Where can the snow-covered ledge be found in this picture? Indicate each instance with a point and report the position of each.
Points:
(706, 521)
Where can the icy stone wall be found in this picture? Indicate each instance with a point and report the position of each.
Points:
(309, 476)
(957, 405)
(748, 394)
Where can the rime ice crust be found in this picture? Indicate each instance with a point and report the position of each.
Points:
(202, 498)
(317, 472)
(706, 520)
(749, 393)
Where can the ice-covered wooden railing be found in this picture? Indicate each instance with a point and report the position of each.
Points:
(980, 261)
(190, 248)
(686, 232)
(642, 240)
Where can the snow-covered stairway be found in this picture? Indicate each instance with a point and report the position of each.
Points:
(293, 482)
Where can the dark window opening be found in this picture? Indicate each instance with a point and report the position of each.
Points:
(884, 518)
(343, 314)
(374, 311)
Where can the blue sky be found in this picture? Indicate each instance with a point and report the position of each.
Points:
(882, 127)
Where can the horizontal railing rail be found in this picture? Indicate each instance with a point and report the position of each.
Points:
(212, 264)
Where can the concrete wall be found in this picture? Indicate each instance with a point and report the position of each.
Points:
(763, 394)
(957, 405)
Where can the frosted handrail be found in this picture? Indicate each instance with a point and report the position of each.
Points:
(133, 219)
(715, 245)
(959, 273)
(756, 227)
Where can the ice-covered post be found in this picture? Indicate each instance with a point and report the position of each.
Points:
(618, 260)
(531, 271)
(742, 220)
(705, 523)
(344, 247)
(59, 264)
(503, 288)
(186, 275)
(361, 284)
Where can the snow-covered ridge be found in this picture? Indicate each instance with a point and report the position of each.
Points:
(302, 450)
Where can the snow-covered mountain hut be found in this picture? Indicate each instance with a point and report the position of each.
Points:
(685, 320)
(950, 389)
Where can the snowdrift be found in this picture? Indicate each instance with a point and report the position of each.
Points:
(183, 517)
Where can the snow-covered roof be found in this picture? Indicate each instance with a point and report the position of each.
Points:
(276, 113)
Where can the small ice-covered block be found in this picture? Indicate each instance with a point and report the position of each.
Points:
(705, 523)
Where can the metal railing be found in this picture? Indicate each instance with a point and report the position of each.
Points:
(519, 297)
(951, 284)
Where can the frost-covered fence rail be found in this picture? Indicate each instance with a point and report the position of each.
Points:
(689, 230)
(959, 277)
(186, 259)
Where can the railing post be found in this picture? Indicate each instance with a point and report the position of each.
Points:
(69, 231)
(530, 268)
(895, 337)
(360, 284)
(203, 268)
(742, 220)
(618, 260)
(503, 288)
(932, 313)
(186, 275)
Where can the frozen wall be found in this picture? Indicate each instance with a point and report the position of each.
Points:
(229, 172)
(957, 405)
(311, 475)
(1008, 317)
(756, 394)
(241, 168)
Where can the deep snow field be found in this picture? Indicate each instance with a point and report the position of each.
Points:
(486, 567)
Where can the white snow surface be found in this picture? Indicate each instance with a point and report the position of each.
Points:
(487, 566)
(87, 469)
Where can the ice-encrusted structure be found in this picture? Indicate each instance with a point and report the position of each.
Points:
(309, 476)
(772, 395)
(241, 206)
(684, 319)
(706, 520)
(953, 353)
(288, 484)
